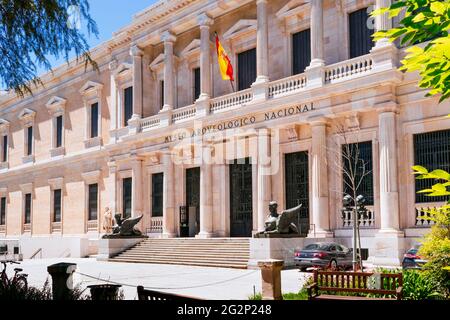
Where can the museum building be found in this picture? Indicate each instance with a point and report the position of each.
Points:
(157, 132)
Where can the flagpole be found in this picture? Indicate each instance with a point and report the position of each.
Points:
(232, 86)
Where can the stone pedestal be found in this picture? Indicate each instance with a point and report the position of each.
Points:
(108, 248)
(62, 279)
(388, 249)
(274, 248)
(271, 279)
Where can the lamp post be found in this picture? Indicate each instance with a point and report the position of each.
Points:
(357, 211)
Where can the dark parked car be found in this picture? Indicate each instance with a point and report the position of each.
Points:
(411, 260)
(324, 255)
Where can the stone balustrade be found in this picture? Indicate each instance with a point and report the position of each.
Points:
(367, 221)
(422, 213)
(183, 114)
(231, 100)
(338, 72)
(287, 85)
(156, 225)
(348, 69)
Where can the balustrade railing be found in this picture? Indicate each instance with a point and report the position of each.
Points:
(348, 68)
(184, 113)
(422, 214)
(150, 122)
(56, 226)
(366, 220)
(27, 227)
(2, 229)
(231, 100)
(156, 225)
(92, 225)
(286, 85)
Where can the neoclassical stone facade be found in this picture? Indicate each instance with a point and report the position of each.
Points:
(157, 131)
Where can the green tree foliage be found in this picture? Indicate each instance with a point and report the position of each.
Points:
(33, 30)
(423, 20)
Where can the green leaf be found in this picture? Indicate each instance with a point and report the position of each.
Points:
(420, 170)
(440, 174)
(438, 7)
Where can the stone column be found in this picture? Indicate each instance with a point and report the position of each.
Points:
(206, 193)
(264, 176)
(168, 196)
(137, 187)
(317, 57)
(319, 208)
(271, 279)
(205, 56)
(169, 79)
(383, 22)
(137, 54)
(316, 70)
(389, 202)
(262, 43)
(113, 186)
(113, 103)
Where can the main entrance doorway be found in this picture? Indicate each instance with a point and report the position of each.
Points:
(192, 216)
(241, 209)
(297, 187)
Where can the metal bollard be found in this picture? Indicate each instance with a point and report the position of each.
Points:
(104, 292)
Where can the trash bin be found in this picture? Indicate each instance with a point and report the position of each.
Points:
(104, 292)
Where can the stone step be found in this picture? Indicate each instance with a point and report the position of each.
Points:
(186, 256)
(192, 251)
(216, 263)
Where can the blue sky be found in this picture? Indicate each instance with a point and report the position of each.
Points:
(110, 16)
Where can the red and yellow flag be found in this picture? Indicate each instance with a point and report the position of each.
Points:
(226, 69)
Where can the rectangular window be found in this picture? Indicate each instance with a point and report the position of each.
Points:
(360, 34)
(127, 197)
(93, 202)
(2, 211)
(197, 87)
(94, 120)
(57, 205)
(246, 69)
(161, 92)
(157, 194)
(29, 141)
(301, 51)
(27, 212)
(128, 105)
(4, 148)
(358, 163)
(59, 131)
(432, 151)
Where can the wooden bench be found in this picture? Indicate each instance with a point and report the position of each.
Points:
(355, 282)
(144, 294)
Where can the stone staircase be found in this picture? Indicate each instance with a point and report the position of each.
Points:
(214, 252)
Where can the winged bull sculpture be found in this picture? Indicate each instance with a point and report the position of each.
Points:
(283, 223)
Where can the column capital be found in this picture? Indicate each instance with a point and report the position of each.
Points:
(168, 37)
(113, 64)
(261, 2)
(387, 107)
(204, 20)
(316, 121)
(136, 51)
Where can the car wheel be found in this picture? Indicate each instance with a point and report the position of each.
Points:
(333, 265)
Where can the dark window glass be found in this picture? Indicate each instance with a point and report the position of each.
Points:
(432, 151)
(157, 194)
(301, 51)
(246, 69)
(127, 196)
(360, 34)
(197, 87)
(359, 156)
(161, 91)
(5, 148)
(59, 131)
(94, 120)
(29, 141)
(3, 211)
(28, 208)
(57, 205)
(128, 105)
(93, 202)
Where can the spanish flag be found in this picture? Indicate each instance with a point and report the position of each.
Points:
(226, 69)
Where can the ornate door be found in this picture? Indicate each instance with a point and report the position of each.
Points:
(297, 187)
(193, 195)
(241, 209)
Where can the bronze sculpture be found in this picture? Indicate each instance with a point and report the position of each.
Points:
(280, 224)
(125, 227)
